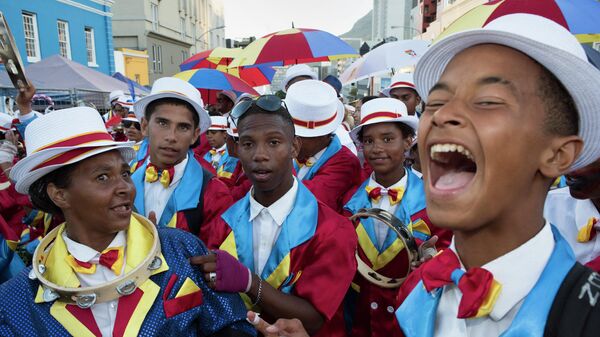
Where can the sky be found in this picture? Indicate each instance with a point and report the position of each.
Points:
(245, 18)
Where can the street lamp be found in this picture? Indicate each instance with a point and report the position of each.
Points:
(413, 29)
(208, 31)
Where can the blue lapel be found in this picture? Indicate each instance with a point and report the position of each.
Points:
(531, 318)
(228, 165)
(185, 196)
(333, 148)
(299, 226)
(208, 157)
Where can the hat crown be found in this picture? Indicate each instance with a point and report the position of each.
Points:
(115, 94)
(406, 78)
(218, 120)
(540, 29)
(385, 105)
(52, 128)
(311, 100)
(176, 86)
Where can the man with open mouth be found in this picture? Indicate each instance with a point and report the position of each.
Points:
(510, 107)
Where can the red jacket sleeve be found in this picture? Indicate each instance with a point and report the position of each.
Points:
(339, 174)
(330, 265)
(217, 200)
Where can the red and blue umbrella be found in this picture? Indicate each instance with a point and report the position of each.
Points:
(580, 17)
(210, 81)
(220, 58)
(294, 46)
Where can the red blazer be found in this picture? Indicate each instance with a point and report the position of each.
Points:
(338, 175)
(321, 268)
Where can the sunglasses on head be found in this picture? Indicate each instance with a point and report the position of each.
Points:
(269, 103)
(128, 124)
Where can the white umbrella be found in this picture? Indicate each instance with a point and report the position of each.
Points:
(387, 57)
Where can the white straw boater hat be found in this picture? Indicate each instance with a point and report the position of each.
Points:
(545, 41)
(125, 101)
(171, 87)
(314, 108)
(400, 80)
(384, 110)
(114, 95)
(52, 145)
(218, 123)
(131, 117)
(297, 71)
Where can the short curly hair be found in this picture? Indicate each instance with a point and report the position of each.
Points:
(38, 191)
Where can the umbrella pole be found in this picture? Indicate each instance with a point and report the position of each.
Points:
(371, 84)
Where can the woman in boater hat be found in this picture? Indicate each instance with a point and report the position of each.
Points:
(106, 271)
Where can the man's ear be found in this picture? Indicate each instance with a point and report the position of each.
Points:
(296, 145)
(144, 127)
(59, 196)
(557, 159)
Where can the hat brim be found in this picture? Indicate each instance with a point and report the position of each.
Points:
(579, 77)
(325, 129)
(386, 91)
(287, 80)
(139, 108)
(410, 121)
(23, 175)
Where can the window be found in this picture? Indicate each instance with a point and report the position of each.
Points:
(156, 58)
(159, 58)
(64, 43)
(182, 27)
(154, 17)
(90, 46)
(32, 42)
(184, 55)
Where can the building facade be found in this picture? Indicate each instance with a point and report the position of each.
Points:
(170, 31)
(133, 64)
(80, 30)
(447, 12)
(392, 18)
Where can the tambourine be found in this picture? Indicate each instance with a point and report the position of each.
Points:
(403, 234)
(86, 297)
(9, 55)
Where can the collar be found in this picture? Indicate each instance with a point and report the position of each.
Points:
(280, 209)
(84, 253)
(399, 184)
(317, 156)
(179, 169)
(584, 210)
(519, 270)
(222, 148)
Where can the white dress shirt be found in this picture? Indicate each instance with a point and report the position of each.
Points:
(517, 271)
(105, 313)
(383, 203)
(570, 215)
(305, 168)
(266, 224)
(156, 195)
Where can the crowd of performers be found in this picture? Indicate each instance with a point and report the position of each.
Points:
(163, 217)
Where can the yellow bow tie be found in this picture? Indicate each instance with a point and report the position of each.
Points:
(309, 162)
(588, 232)
(395, 194)
(166, 176)
(214, 152)
(111, 258)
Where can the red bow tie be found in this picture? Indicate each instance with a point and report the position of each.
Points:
(478, 287)
(393, 193)
(111, 258)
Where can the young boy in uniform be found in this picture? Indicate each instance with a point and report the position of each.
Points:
(386, 131)
(296, 255)
(171, 185)
(403, 89)
(216, 136)
(323, 165)
(510, 107)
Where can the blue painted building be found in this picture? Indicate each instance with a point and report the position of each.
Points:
(80, 30)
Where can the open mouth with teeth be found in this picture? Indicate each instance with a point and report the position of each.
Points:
(452, 167)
